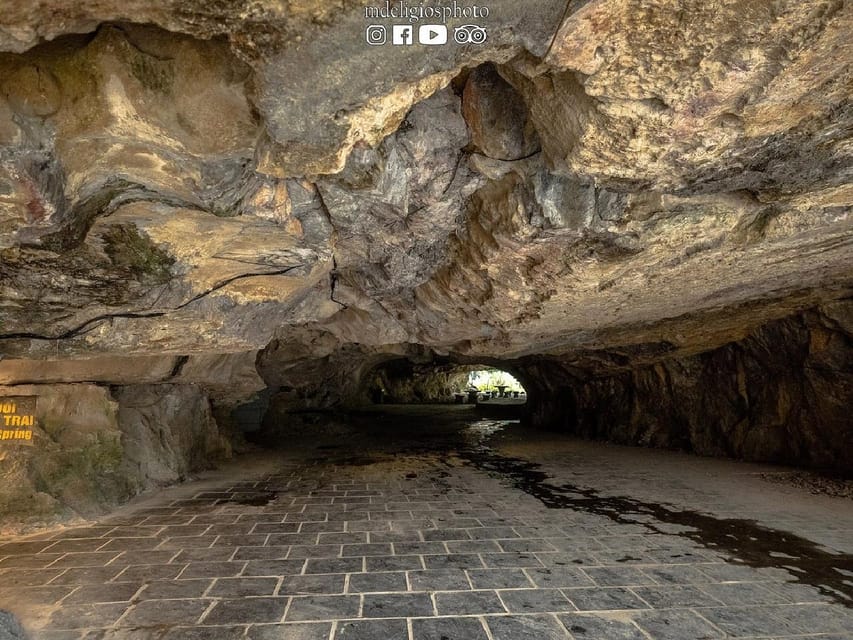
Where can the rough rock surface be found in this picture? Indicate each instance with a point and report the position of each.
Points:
(402, 382)
(168, 431)
(10, 628)
(781, 395)
(239, 195)
(94, 448)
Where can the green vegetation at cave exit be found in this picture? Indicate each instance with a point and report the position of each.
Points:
(490, 379)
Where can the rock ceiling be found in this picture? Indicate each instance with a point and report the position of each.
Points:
(184, 183)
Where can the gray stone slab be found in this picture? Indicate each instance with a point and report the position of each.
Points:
(37, 596)
(597, 599)
(499, 579)
(348, 538)
(273, 567)
(419, 548)
(675, 596)
(526, 545)
(448, 629)
(140, 572)
(247, 611)
(535, 600)
(377, 582)
(591, 627)
(446, 534)
(316, 551)
(397, 605)
(559, 577)
(212, 569)
(816, 618)
(676, 574)
(36, 577)
(240, 587)
(172, 589)
(294, 631)
(453, 560)
(394, 563)
(618, 576)
(493, 533)
(164, 612)
(743, 593)
(330, 583)
(372, 630)
(84, 559)
(213, 554)
(526, 628)
(567, 559)
(260, 553)
(188, 633)
(368, 549)
(334, 565)
(449, 603)
(676, 624)
(439, 580)
(512, 559)
(81, 544)
(109, 592)
(473, 546)
(311, 608)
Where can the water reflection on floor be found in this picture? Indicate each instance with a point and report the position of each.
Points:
(437, 522)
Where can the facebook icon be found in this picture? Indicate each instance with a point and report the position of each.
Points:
(402, 34)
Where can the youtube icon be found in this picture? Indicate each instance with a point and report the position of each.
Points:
(432, 34)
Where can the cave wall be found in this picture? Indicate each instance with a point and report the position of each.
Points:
(406, 383)
(783, 394)
(95, 447)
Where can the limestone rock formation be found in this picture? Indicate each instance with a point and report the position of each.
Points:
(10, 628)
(94, 448)
(648, 199)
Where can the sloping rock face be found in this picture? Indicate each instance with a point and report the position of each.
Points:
(780, 395)
(94, 448)
(608, 197)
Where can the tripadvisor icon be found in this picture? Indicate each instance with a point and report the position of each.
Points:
(415, 12)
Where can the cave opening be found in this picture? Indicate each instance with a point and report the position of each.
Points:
(406, 383)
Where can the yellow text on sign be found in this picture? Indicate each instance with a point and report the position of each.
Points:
(17, 419)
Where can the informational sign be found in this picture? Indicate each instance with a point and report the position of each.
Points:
(17, 419)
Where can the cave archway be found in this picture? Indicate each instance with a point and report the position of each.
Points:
(404, 382)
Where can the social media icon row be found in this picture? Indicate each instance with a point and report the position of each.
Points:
(429, 34)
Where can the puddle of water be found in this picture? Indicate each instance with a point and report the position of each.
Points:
(746, 541)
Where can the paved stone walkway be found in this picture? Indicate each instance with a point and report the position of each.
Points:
(441, 542)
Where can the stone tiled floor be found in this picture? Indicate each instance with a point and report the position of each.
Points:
(412, 546)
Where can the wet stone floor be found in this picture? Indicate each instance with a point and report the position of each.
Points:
(473, 530)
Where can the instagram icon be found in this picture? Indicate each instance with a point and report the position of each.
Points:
(376, 35)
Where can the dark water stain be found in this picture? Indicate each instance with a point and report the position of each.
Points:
(258, 499)
(747, 541)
